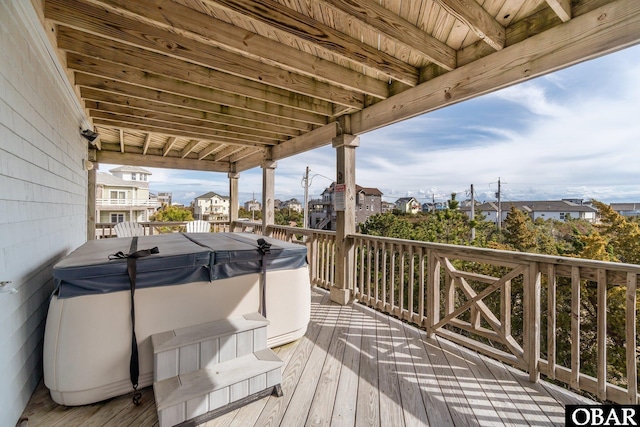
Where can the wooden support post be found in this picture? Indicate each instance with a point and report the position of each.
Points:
(268, 191)
(345, 208)
(234, 202)
(532, 292)
(91, 194)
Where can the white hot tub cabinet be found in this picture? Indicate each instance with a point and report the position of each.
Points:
(195, 278)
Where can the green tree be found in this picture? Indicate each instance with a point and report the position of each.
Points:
(519, 231)
(172, 213)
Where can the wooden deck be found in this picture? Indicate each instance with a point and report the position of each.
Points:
(357, 367)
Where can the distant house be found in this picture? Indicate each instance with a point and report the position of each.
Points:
(322, 214)
(123, 195)
(560, 210)
(252, 205)
(626, 209)
(211, 207)
(292, 204)
(408, 205)
(387, 207)
(164, 198)
(433, 207)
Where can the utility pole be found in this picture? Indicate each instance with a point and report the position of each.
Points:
(498, 195)
(473, 214)
(306, 198)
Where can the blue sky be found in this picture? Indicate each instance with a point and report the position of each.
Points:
(571, 134)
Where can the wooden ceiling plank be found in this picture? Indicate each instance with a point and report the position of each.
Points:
(91, 85)
(189, 148)
(127, 123)
(391, 25)
(169, 162)
(608, 28)
(163, 84)
(176, 120)
(477, 19)
(147, 140)
(143, 37)
(169, 145)
(176, 17)
(303, 27)
(562, 8)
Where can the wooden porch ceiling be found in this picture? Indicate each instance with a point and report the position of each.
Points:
(221, 85)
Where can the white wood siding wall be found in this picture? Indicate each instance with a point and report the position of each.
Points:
(43, 189)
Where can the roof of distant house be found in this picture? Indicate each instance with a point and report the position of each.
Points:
(106, 179)
(625, 206)
(535, 206)
(368, 191)
(405, 199)
(130, 169)
(210, 195)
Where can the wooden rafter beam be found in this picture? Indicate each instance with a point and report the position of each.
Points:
(178, 129)
(128, 123)
(562, 8)
(309, 141)
(171, 16)
(95, 88)
(169, 162)
(301, 26)
(373, 14)
(144, 78)
(189, 148)
(477, 19)
(210, 149)
(169, 145)
(147, 140)
(603, 30)
(180, 121)
(145, 44)
(226, 152)
(101, 100)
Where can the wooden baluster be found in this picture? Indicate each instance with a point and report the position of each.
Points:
(601, 336)
(551, 320)
(401, 260)
(392, 278)
(383, 256)
(377, 272)
(422, 258)
(433, 292)
(505, 308)
(412, 283)
(575, 328)
(632, 345)
(369, 269)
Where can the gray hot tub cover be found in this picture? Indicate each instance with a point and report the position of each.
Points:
(182, 258)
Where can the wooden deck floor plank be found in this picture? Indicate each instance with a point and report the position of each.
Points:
(461, 411)
(368, 401)
(432, 396)
(344, 407)
(414, 411)
(520, 396)
(497, 392)
(276, 406)
(391, 409)
(320, 413)
(300, 403)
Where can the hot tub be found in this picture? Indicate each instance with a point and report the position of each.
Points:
(195, 278)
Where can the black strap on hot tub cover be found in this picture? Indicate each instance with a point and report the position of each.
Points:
(132, 256)
(265, 249)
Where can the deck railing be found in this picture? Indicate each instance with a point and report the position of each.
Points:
(546, 315)
(556, 316)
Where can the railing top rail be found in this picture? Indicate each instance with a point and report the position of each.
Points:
(518, 257)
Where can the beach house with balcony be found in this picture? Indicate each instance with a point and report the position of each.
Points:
(211, 206)
(123, 195)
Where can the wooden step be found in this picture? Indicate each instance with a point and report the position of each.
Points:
(204, 345)
(191, 395)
